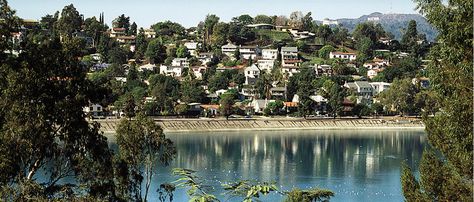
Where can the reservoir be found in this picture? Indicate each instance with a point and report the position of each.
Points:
(358, 165)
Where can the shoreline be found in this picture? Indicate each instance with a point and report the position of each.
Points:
(222, 125)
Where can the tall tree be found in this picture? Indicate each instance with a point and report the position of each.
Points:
(209, 23)
(448, 175)
(70, 21)
(141, 145)
(42, 123)
(122, 21)
(156, 52)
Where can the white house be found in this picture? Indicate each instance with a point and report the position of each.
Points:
(149, 67)
(150, 33)
(205, 58)
(327, 21)
(289, 71)
(259, 105)
(289, 57)
(266, 64)
(248, 52)
(372, 73)
(301, 34)
(198, 71)
(174, 71)
(192, 47)
(229, 49)
(325, 70)
(251, 74)
(341, 55)
(116, 32)
(93, 109)
(379, 87)
(220, 92)
(364, 90)
(270, 54)
(180, 62)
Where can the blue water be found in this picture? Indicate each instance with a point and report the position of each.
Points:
(358, 165)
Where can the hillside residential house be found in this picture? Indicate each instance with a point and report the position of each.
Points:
(379, 87)
(205, 58)
(251, 74)
(424, 82)
(229, 49)
(248, 92)
(174, 71)
(270, 54)
(150, 33)
(289, 57)
(327, 21)
(180, 62)
(266, 64)
(93, 109)
(192, 47)
(126, 39)
(323, 70)
(278, 93)
(373, 73)
(116, 32)
(364, 90)
(198, 71)
(261, 26)
(149, 67)
(289, 71)
(249, 52)
(298, 35)
(259, 105)
(341, 55)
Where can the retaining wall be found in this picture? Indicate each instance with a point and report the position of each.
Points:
(185, 125)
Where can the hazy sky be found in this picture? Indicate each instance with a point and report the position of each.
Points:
(190, 12)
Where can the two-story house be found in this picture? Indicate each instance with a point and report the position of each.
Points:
(364, 90)
(180, 62)
(229, 49)
(342, 55)
(192, 47)
(251, 74)
(174, 71)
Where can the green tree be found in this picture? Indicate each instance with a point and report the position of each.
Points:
(275, 107)
(410, 37)
(182, 52)
(325, 50)
(117, 55)
(305, 90)
(191, 91)
(133, 29)
(156, 52)
(141, 44)
(263, 19)
(42, 124)
(94, 29)
(70, 21)
(227, 105)
(209, 23)
(141, 145)
(220, 34)
(446, 168)
(400, 96)
(122, 21)
(315, 194)
(243, 19)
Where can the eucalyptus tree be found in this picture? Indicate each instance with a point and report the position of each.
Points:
(142, 145)
(43, 130)
(446, 167)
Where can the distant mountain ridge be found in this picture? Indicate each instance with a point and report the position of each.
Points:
(394, 23)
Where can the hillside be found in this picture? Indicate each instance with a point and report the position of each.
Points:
(394, 23)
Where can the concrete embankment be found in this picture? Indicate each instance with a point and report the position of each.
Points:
(194, 125)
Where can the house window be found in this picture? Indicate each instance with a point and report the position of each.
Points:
(91, 108)
(98, 109)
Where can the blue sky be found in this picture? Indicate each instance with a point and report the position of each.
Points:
(190, 12)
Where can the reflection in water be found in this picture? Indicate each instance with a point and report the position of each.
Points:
(357, 165)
